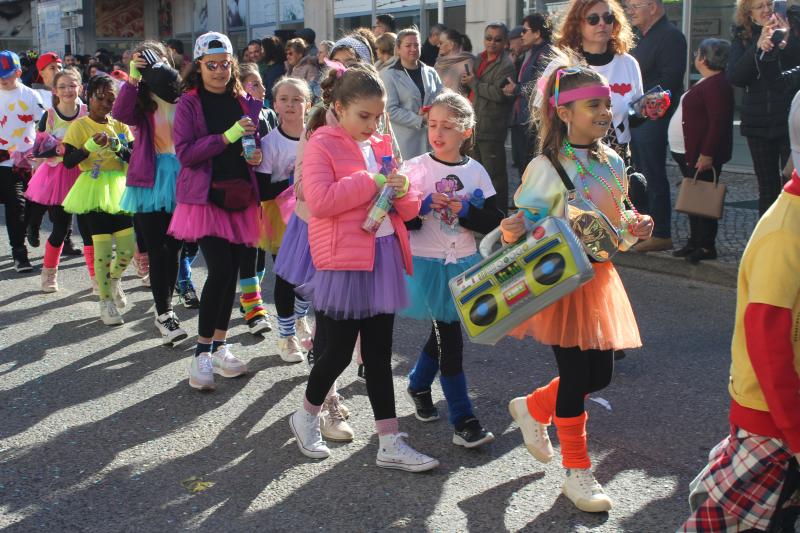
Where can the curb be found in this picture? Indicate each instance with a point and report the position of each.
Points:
(723, 274)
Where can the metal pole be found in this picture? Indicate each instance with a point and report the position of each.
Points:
(277, 14)
(374, 12)
(423, 21)
(440, 13)
(687, 31)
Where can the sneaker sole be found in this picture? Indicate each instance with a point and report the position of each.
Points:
(23, 270)
(49, 289)
(227, 374)
(459, 441)
(199, 386)
(588, 506)
(307, 453)
(537, 454)
(334, 438)
(413, 405)
(292, 359)
(408, 468)
(260, 329)
(175, 340)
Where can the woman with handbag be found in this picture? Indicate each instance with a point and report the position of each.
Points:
(701, 138)
(217, 193)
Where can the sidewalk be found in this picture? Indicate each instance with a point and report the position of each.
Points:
(739, 219)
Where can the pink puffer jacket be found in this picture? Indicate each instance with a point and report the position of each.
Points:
(338, 190)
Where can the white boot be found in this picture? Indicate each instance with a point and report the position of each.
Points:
(582, 488)
(305, 427)
(394, 452)
(49, 279)
(332, 420)
(533, 433)
(289, 349)
(304, 332)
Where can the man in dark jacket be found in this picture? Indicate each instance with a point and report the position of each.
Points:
(537, 33)
(492, 70)
(430, 50)
(661, 53)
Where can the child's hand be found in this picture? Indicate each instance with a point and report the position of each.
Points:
(439, 201)
(398, 181)
(256, 159)
(100, 139)
(247, 124)
(454, 205)
(643, 227)
(513, 228)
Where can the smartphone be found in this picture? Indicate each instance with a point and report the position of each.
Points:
(779, 8)
(466, 68)
(504, 83)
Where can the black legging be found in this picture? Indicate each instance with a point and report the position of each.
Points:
(284, 298)
(62, 223)
(141, 244)
(222, 260)
(13, 194)
(580, 372)
(376, 349)
(162, 252)
(99, 223)
(769, 158)
(448, 347)
(248, 262)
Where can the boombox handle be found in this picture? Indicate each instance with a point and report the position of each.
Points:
(488, 242)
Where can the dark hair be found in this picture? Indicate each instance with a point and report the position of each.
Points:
(194, 79)
(541, 23)
(360, 80)
(553, 130)
(97, 83)
(715, 52)
(104, 60)
(255, 41)
(68, 71)
(144, 102)
(175, 44)
(459, 39)
(437, 26)
(273, 50)
(387, 20)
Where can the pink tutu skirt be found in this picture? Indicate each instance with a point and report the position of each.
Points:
(50, 185)
(191, 222)
(596, 316)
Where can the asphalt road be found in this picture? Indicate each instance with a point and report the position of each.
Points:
(99, 430)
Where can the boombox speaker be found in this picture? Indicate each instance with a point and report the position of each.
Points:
(516, 282)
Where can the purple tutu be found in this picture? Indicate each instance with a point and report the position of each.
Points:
(356, 294)
(294, 263)
(191, 222)
(50, 185)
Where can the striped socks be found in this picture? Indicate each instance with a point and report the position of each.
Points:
(300, 307)
(286, 324)
(251, 298)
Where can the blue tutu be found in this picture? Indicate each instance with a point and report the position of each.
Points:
(428, 292)
(159, 197)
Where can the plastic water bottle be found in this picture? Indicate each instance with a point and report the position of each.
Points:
(248, 144)
(477, 199)
(383, 202)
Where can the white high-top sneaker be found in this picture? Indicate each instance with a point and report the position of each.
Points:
(109, 313)
(394, 452)
(289, 349)
(120, 300)
(533, 433)
(49, 279)
(332, 420)
(582, 488)
(305, 427)
(304, 332)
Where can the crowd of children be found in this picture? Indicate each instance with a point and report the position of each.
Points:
(199, 163)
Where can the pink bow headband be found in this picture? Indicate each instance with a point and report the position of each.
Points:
(335, 65)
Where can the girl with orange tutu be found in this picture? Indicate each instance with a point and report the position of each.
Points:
(585, 327)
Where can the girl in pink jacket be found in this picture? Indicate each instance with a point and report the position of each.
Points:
(359, 281)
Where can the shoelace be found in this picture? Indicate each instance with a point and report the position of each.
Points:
(403, 448)
(112, 309)
(587, 481)
(333, 407)
(205, 364)
(171, 324)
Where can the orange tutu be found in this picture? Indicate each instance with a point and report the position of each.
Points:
(596, 316)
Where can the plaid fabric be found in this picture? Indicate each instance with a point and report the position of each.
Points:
(743, 483)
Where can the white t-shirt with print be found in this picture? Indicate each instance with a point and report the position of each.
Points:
(20, 111)
(279, 152)
(625, 80)
(440, 238)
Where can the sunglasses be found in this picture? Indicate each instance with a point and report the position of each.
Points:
(214, 65)
(594, 19)
(493, 40)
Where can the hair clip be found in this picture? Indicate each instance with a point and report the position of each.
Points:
(338, 67)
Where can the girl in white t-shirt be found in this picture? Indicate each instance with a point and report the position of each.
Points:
(458, 200)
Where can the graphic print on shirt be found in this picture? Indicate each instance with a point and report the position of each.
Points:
(449, 186)
(621, 88)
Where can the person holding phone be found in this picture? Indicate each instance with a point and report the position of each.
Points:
(454, 60)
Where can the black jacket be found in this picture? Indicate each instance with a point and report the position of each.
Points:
(765, 104)
(661, 54)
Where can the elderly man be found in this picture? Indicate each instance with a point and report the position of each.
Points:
(492, 71)
(661, 53)
(430, 50)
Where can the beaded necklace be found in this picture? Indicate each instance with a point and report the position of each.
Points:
(584, 170)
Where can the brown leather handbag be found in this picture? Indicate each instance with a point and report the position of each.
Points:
(701, 198)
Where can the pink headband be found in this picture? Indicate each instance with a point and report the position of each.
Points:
(581, 93)
(335, 65)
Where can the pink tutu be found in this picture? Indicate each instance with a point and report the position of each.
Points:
(191, 222)
(50, 185)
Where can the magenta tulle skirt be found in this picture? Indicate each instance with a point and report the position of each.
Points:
(356, 294)
(293, 263)
(50, 185)
(191, 222)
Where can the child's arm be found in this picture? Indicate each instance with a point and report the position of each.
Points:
(407, 205)
(325, 196)
(481, 220)
(73, 156)
(125, 109)
(191, 149)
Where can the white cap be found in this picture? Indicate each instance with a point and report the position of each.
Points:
(202, 48)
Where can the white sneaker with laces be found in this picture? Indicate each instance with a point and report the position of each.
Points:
(304, 332)
(120, 300)
(109, 313)
(394, 452)
(49, 279)
(226, 364)
(289, 349)
(201, 372)
(533, 433)
(170, 328)
(332, 420)
(305, 427)
(582, 488)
